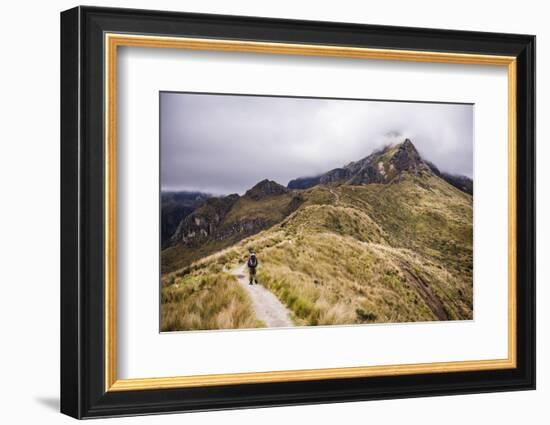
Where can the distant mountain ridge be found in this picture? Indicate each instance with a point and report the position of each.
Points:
(385, 239)
(217, 222)
(175, 206)
(223, 221)
(382, 167)
(463, 183)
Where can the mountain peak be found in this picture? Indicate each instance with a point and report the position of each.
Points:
(407, 158)
(388, 164)
(409, 147)
(408, 144)
(385, 165)
(265, 188)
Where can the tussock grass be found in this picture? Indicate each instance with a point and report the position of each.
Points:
(205, 300)
(271, 208)
(328, 280)
(382, 253)
(399, 252)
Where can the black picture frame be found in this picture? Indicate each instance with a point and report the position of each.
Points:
(83, 392)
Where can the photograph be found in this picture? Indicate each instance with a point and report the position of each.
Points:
(292, 211)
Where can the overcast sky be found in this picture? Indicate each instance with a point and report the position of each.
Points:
(223, 144)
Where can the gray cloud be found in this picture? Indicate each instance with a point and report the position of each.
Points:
(225, 144)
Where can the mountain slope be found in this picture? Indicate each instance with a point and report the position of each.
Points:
(463, 183)
(389, 253)
(397, 249)
(221, 222)
(175, 206)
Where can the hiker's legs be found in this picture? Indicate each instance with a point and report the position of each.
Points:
(252, 275)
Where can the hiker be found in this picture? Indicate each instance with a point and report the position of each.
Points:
(252, 263)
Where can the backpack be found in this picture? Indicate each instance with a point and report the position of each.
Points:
(252, 261)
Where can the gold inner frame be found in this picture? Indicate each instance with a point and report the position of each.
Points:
(113, 41)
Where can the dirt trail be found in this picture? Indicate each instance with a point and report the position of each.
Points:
(336, 196)
(267, 306)
(424, 290)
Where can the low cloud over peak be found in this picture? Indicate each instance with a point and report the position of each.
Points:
(225, 144)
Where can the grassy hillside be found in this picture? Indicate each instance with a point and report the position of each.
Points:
(393, 252)
(379, 253)
(244, 217)
(205, 300)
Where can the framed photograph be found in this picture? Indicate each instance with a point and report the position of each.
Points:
(261, 212)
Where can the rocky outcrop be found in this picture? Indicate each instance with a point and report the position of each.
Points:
(204, 221)
(379, 167)
(334, 176)
(234, 217)
(407, 158)
(175, 206)
(383, 166)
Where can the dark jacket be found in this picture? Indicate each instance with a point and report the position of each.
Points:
(252, 261)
